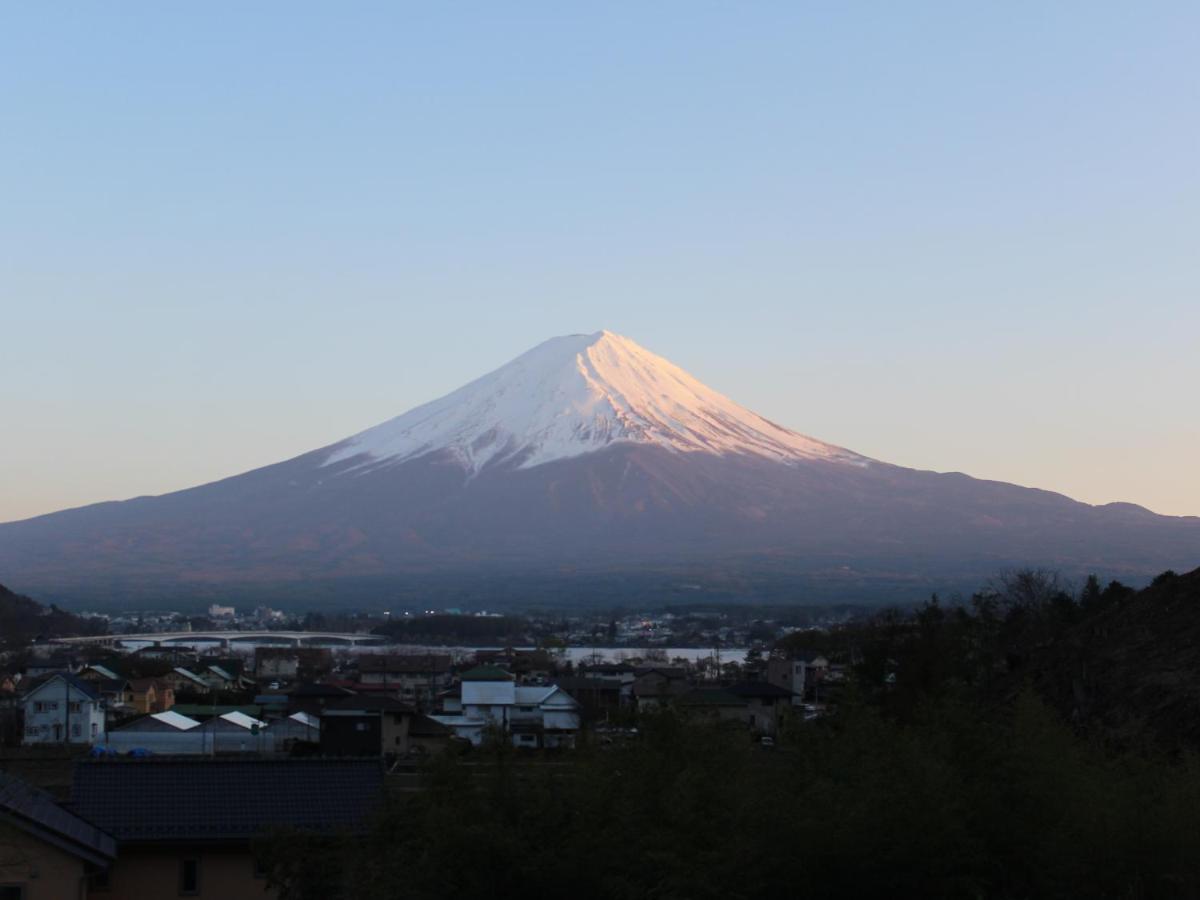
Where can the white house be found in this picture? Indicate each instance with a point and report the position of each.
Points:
(63, 709)
(533, 715)
(797, 674)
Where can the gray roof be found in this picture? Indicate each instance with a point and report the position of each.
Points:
(583, 683)
(424, 726)
(35, 812)
(369, 704)
(168, 799)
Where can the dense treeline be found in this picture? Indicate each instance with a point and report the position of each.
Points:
(23, 620)
(950, 769)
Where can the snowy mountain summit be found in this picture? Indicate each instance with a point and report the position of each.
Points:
(574, 395)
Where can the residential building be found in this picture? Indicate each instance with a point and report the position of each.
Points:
(656, 686)
(117, 695)
(598, 697)
(151, 695)
(292, 663)
(10, 703)
(713, 703)
(63, 709)
(789, 674)
(231, 667)
(532, 715)
(417, 678)
(97, 672)
(800, 674)
(526, 666)
(220, 679)
(188, 826)
(366, 726)
(299, 727)
(47, 852)
(314, 697)
(186, 681)
(276, 663)
(533, 666)
(38, 668)
(427, 736)
(272, 706)
(622, 673)
(767, 705)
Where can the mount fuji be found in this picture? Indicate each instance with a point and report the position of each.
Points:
(586, 460)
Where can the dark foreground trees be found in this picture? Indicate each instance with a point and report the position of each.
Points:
(950, 805)
(961, 762)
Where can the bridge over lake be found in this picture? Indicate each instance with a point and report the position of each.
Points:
(229, 639)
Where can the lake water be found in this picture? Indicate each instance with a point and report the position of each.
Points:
(574, 654)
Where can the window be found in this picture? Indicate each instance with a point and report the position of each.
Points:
(76, 731)
(51, 705)
(360, 726)
(260, 867)
(95, 730)
(189, 876)
(39, 706)
(75, 707)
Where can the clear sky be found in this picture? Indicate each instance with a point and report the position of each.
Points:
(957, 236)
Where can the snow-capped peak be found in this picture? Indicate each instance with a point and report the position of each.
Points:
(574, 395)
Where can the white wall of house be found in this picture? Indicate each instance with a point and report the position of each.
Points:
(488, 693)
(789, 674)
(58, 712)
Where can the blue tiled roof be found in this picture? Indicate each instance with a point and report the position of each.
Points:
(176, 799)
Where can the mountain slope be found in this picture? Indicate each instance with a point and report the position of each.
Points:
(586, 454)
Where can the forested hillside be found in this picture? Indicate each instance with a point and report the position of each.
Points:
(23, 620)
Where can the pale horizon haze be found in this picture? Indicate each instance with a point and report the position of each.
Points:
(948, 237)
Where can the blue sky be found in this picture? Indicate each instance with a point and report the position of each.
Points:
(952, 236)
